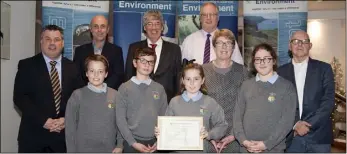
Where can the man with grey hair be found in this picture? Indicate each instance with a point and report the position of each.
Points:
(198, 45)
(314, 82)
(168, 63)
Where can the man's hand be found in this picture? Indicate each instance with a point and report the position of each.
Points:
(49, 123)
(225, 141)
(302, 128)
(257, 146)
(58, 125)
(141, 148)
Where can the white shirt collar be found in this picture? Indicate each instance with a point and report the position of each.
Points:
(47, 59)
(159, 42)
(205, 33)
(300, 64)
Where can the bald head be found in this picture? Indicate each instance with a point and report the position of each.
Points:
(300, 46)
(301, 34)
(99, 28)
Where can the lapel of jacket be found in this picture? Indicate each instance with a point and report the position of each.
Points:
(309, 84)
(164, 59)
(64, 78)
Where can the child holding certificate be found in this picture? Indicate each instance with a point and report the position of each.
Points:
(143, 100)
(90, 117)
(194, 102)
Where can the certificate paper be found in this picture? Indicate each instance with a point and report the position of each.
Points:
(179, 133)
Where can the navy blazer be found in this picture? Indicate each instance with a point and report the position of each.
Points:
(318, 99)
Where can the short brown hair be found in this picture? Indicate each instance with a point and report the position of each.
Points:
(96, 57)
(195, 66)
(146, 51)
(269, 49)
(228, 34)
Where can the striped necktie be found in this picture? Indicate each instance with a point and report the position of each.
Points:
(207, 49)
(55, 86)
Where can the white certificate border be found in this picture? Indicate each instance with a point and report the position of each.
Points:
(178, 118)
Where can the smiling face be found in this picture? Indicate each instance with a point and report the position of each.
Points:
(263, 62)
(192, 80)
(153, 28)
(223, 48)
(144, 65)
(209, 17)
(96, 73)
(52, 43)
(99, 28)
(300, 45)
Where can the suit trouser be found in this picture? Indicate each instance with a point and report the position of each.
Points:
(31, 147)
(300, 145)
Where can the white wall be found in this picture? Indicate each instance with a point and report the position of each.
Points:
(327, 30)
(22, 37)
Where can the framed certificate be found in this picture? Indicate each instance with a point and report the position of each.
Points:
(179, 133)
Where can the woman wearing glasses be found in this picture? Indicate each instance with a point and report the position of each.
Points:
(265, 109)
(223, 79)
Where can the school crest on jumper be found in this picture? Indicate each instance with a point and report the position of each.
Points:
(155, 94)
(272, 97)
(110, 105)
(202, 111)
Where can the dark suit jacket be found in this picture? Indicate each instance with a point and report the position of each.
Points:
(318, 100)
(169, 67)
(33, 95)
(114, 55)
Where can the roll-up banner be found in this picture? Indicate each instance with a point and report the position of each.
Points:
(272, 22)
(128, 24)
(74, 17)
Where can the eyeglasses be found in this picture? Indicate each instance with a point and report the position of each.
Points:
(144, 61)
(220, 44)
(300, 42)
(151, 24)
(205, 15)
(264, 60)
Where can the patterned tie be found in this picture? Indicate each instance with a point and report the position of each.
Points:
(207, 49)
(153, 46)
(56, 86)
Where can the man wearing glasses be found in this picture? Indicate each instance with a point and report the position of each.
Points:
(168, 62)
(314, 81)
(198, 45)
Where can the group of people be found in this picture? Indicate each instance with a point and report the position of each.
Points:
(93, 104)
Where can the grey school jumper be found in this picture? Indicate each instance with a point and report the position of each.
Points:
(265, 112)
(139, 109)
(90, 122)
(223, 84)
(208, 108)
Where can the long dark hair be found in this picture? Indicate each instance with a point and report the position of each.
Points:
(195, 66)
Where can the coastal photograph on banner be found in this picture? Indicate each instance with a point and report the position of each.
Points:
(259, 28)
(272, 22)
(74, 17)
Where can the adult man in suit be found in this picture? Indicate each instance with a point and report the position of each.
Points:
(314, 81)
(198, 45)
(42, 87)
(99, 28)
(168, 63)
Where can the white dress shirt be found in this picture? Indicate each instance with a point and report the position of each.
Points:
(300, 70)
(157, 51)
(193, 47)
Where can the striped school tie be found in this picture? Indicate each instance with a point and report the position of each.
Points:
(56, 86)
(207, 49)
